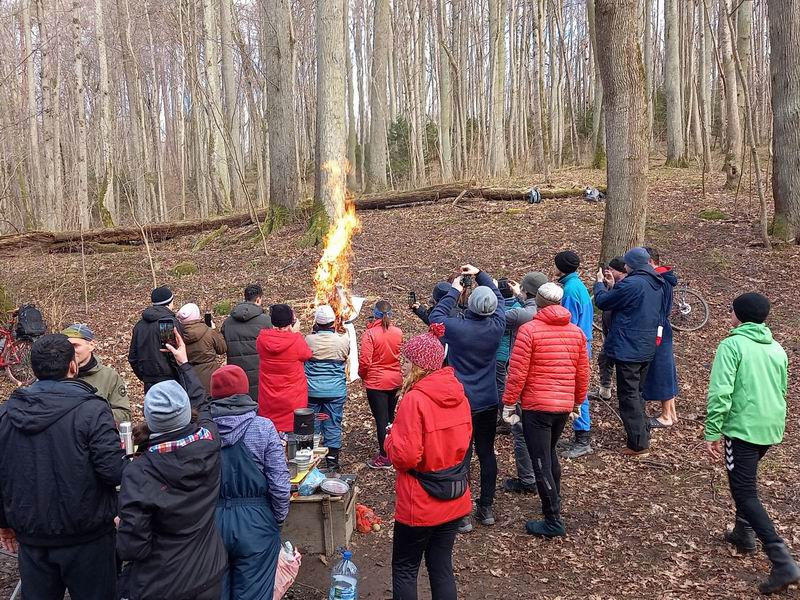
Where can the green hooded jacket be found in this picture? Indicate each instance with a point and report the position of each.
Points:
(111, 386)
(747, 391)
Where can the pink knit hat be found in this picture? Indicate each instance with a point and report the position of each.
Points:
(426, 351)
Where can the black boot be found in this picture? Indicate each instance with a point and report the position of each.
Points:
(784, 570)
(742, 536)
(332, 460)
(580, 446)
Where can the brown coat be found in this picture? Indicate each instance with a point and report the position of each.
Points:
(203, 344)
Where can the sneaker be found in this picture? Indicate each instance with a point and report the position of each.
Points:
(515, 486)
(485, 515)
(465, 525)
(379, 462)
(602, 392)
(548, 528)
(630, 453)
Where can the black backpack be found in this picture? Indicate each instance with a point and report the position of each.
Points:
(446, 484)
(30, 323)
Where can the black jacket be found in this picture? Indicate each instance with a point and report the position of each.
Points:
(149, 364)
(167, 508)
(241, 329)
(60, 464)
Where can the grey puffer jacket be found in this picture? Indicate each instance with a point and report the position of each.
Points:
(240, 330)
(517, 317)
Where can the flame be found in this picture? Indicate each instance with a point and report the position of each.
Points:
(332, 279)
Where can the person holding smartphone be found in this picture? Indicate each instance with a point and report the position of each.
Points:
(149, 364)
(203, 343)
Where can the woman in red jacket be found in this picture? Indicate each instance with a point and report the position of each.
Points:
(429, 446)
(379, 369)
(282, 385)
(549, 374)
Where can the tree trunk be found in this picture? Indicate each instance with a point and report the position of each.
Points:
(498, 159)
(82, 172)
(784, 36)
(378, 151)
(106, 199)
(676, 145)
(704, 85)
(744, 42)
(445, 96)
(733, 133)
(598, 132)
(32, 111)
(618, 39)
(648, 62)
(233, 126)
(351, 110)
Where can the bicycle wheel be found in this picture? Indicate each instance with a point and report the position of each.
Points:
(689, 310)
(19, 369)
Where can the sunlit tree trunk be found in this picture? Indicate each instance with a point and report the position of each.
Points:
(498, 159)
(733, 131)
(378, 151)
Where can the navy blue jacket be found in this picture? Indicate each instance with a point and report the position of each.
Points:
(472, 345)
(639, 304)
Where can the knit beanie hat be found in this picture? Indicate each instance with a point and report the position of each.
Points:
(79, 331)
(324, 315)
(567, 262)
(161, 296)
(228, 381)
(426, 351)
(483, 301)
(637, 258)
(549, 294)
(532, 282)
(167, 407)
(440, 290)
(188, 313)
(618, 264)
(751, 308)
(282, 315)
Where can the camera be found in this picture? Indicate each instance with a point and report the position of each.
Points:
(412, 298)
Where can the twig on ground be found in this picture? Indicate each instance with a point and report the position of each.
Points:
(368, 269)
(459, 197)
(611, 408)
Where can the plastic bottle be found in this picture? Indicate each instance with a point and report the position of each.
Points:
(344, 579)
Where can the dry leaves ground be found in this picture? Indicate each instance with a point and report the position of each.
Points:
(648, 529)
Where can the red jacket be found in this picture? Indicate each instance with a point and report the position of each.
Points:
(432, 431)
(549, 366)
(379, 357)
(282, 385)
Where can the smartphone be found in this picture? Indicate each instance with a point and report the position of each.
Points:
(412, 298)
(502, 284)
(207, 318)
(166, 333)
(603, 266)
(466, 281)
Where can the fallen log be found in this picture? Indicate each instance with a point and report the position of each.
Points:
(421, 195)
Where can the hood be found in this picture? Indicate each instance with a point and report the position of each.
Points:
(238, 404)
(185, 465)
(245, 311)
(442, 388)
(33, 409)
(668, 275)
(194, 331)
(276, 341)
(232, 427)
(98, 364)
(649, 274)
(553, 315)
(758, 332)
(154, 313)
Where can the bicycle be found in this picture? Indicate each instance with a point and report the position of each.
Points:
(15, 354)
(690, 310)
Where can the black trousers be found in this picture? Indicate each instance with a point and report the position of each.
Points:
(630, 383)
(88, 571)
(542, 432)
(606, 367)
(484, 430)
(436, 543)
(382, 403)
(741, 462)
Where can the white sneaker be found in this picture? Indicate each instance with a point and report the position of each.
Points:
(604, 393)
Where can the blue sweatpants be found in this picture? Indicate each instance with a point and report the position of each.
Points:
(330, 428)
(584, 421)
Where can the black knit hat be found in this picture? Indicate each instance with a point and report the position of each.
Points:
(567, 262)
(618, 264)
(282, 315)
(751, 308)
(161, 296)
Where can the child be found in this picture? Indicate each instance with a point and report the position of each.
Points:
(747, 405)
(327, 381)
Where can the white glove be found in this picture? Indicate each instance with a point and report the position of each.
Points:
(510, 415)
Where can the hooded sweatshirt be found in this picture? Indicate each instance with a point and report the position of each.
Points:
(282, 378)
(747, 390)
(61, 461)
(431, 431)
(203, 345)
(149, 364)
(241, 330)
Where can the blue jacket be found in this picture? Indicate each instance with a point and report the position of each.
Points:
(639, 303)
(325, 371)
(579, 304)
(472, 345)
(504, 351)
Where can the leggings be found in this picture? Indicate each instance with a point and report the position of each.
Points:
(382, 403)
(484, 429)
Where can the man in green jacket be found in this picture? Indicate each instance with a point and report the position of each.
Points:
(108, 383)
(747, 406)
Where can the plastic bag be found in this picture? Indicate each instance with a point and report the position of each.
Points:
(289, 561)
(366, 519)
(311, 482)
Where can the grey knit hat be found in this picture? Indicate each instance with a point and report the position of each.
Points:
(167, 407)
(549, 294)
(483, 301)
(532, 282)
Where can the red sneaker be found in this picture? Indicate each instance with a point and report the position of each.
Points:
(379, 462)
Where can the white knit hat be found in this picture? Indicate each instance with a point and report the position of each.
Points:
(324, 315)
(551, 293)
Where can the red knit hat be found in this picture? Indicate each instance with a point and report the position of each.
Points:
(426, 351)
(229, 381)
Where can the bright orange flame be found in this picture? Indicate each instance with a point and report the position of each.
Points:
(333, 271)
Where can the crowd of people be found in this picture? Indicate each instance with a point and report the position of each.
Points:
(194, 510)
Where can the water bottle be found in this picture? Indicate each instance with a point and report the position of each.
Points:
(344, 579)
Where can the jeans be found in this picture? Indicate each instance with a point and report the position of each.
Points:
(382, 404)
(330, 428)
(542, 431)
(436, 543)
(88, 571)
(501, 375)
(522, 457)
(630, 381)
(484, 429)
(584, 420)
(741, 462)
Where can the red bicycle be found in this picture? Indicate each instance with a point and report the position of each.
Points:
(15, 354)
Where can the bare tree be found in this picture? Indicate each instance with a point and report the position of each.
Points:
(676, 145)
(733, 133)
(82, 172)
(498, 159)
(378, 150)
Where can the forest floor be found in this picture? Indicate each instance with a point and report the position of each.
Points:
(636, 529)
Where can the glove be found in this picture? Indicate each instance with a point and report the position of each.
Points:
(510, 415)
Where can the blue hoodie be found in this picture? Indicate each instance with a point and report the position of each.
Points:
(579, 304)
